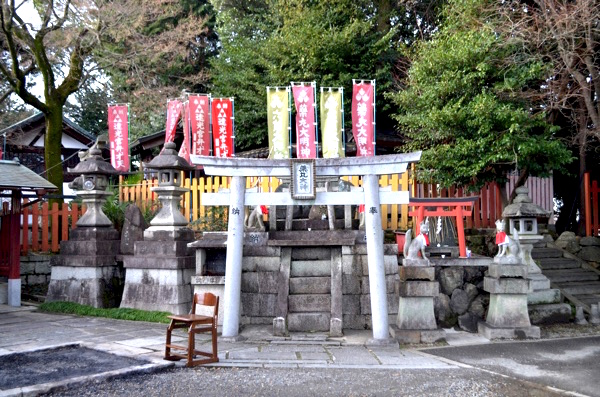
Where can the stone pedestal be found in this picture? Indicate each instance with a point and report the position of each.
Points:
(86, 272)
(416, 319)
(507, 316)
(158, 276)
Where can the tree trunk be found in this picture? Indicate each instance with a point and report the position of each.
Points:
(52, 142)
(582, 170)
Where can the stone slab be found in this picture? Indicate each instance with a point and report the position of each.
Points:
(404, 336)
(550, 313)
(162, 248)
(309, 303)
(496, 270)
(490, 332)
(306, 322)
(538, 282)
(416, 313)
(321, 268)
(186, 262)
(508, 310)
(506, 285)
(419, 288)
(417, 273)
(544, 296)
(310, 285)
(83, 260)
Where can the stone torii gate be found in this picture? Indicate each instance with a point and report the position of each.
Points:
(368, 167)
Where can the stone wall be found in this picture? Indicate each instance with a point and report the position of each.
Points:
(462, 300)
(35, 269)
(585, 248)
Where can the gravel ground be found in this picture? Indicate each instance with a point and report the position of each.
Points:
(310, 382)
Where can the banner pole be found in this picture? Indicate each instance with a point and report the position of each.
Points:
(343, 126)
(374, 121)
(128, 142)
(211, 152)
(316, 123)
(290, 120)
(232, 127)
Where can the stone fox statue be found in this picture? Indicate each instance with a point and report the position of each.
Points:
(413, 247)
(507, 246)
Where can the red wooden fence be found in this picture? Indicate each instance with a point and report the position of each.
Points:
(43, 227)
(592, 206)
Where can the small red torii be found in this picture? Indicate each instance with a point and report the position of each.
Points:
(458, 207)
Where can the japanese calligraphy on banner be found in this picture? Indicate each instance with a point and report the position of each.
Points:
(332, 126)
(200, 124)
(278, 122)
(173, 113)
(118, 136)
(363, 127)
(304, 99)
(222, 114)
(184, 151)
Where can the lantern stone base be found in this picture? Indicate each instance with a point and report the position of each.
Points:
(158, 275)
(490, 332)
(405, 336)
(86, 271)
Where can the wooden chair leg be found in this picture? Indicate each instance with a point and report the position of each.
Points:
(215, 355)
(191, 347)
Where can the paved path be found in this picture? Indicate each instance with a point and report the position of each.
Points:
(565, 365)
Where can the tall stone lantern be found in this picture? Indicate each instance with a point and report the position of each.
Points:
(86, 270)
(158, 275)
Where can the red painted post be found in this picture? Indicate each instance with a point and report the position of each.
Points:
(587, 204)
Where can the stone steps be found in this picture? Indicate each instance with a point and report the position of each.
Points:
(589, 299)
(541, 253)
(558, 263)
(569, 275)
(309, 299)
(580, 288)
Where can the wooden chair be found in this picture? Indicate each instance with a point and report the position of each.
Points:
(192, 322)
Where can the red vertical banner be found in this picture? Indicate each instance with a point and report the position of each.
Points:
(184, 151)
(200, 124)
(363, 126)
(173, 113)
(222, 126)
(304, 99)
(118, 136)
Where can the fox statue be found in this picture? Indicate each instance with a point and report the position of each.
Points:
(413, 247)
(508, 247)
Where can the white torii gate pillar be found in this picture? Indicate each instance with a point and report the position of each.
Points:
(233, 263)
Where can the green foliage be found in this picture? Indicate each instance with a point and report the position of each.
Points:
(115, 209)
(275, 42)
(215, 220)
(90, 108)
(459, 105)
(116, 313)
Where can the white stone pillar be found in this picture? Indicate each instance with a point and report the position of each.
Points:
(233, 262)
(374, 234)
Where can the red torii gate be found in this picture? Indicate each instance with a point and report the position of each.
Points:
(458, 207)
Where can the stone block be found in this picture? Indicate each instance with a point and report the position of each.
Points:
(185, 262)
(309, 303)
(311, 268)
(419, 288)
(351, 284)
(279, 328)
(416, 313)
(545, 296)
(352, 264)
(310, 285)
(335, 327)
(356, 321)
(252, 250)
(351, 304)
(250, 282)
(160, 234)
(415, 262)
(497, 271)
(3, 293)
(490, 332)
(162, 248)
(508, 310)
(91, 247)
(261, 264)
(175, 299)
(304, 322)
(159, 276)
(27, 268)
(538, 282)
(405, 336)
(311, 254)
(550, 313)
(268, 282)
(365, 303)
(417, 273)
(94, 233)
(259, 305)
(506, 285)
(33, 279)
(42, 267)
(390, 285)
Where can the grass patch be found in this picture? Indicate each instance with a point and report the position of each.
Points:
(116, 313)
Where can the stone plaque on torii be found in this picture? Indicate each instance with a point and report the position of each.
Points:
(237, 197)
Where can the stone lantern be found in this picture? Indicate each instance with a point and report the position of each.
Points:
(169, 166)
(522, 215)
(158, 275)
(91, 186)
(86, 271)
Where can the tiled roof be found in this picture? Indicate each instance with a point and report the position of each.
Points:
(14, 175)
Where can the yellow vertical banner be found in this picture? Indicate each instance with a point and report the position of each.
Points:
(278, 122)
(332, 123)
